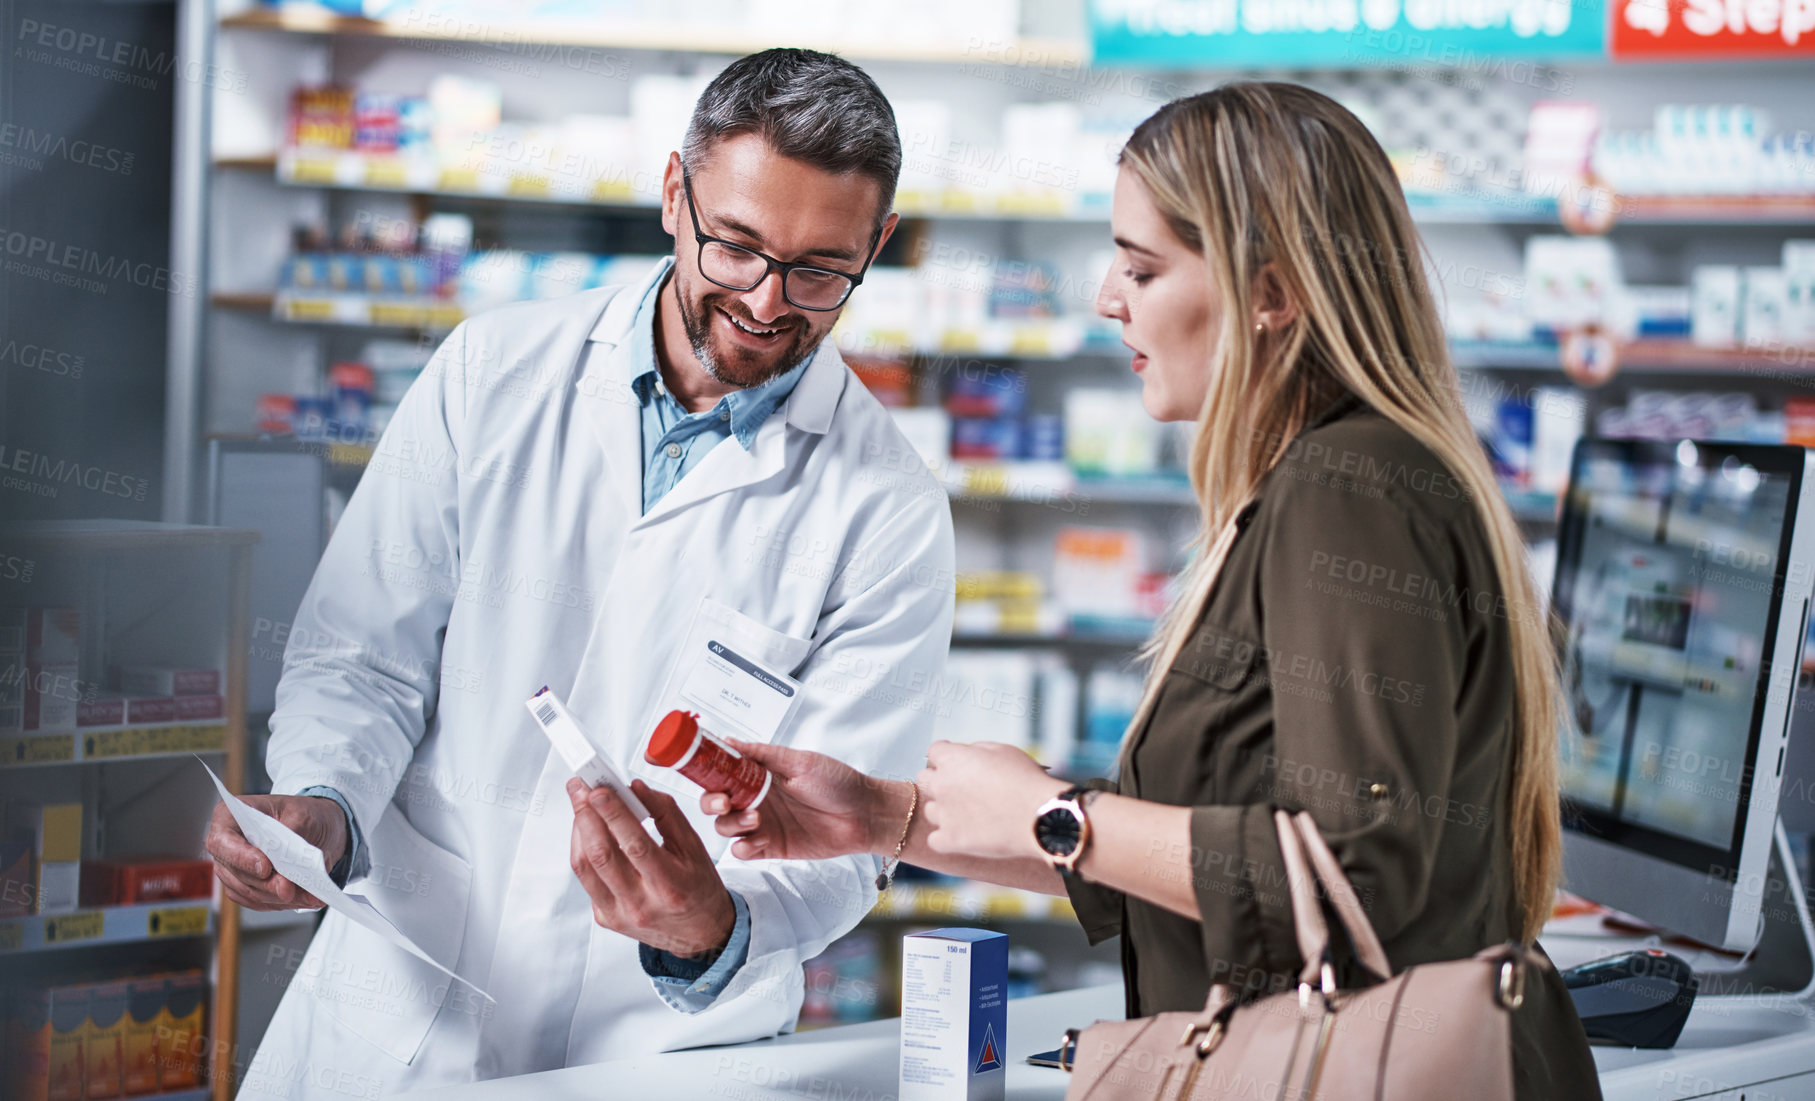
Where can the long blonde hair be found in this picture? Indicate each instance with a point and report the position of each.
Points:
(1255, 174)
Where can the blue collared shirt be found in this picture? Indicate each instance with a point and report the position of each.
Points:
(675, 440)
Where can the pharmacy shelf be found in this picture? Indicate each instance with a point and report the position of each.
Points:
(1513, 208)
(107, 925)
(728, 39)
(104, 535)
(1043, 339)
(608, 187)
(114, 744)
(1660, 356)
(1761, 210)
(1056, 485)
(968, 901)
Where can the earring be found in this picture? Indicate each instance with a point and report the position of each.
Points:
(1260, 327)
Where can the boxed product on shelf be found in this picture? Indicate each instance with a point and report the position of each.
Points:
(139, 1043)
(986, 438)
(929, 433)
(1559, 141)
(1714, 313)
(461, 106)
(321, 118)
(1661, 312)
(1108, 432)
(101, 709)
(1098, 571)
(54, 833)
(1043, 438)
(28, 1043)
(1111, 694)
(1666, 415)
(1559, 419)
(64, 1031)
(1705, 149)
(199, 708)
(1056, 710)
(988, 696)
(182, 1048)
(130, 881)
(151, 709)
(889, 381)
(1508, 442)
(1761, 317)
(925, 127)
(1799, 293)
(103, 1037)
(97, 1039)
(1024, 289)
(52, 646)
(168, 680)
(1006, 617)
(1571, 282)
(350, 391)
(987, 390)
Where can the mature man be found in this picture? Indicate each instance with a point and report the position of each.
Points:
(587, 494)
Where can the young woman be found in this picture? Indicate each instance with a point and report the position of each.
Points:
(1358, 636)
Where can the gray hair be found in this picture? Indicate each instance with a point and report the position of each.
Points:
(807, 105)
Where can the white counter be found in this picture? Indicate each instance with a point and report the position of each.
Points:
(848, 1063)
(1729, 1044)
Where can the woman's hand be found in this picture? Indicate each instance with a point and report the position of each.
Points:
(817, 808)
(979, 799)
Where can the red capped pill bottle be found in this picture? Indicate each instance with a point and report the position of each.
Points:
(681, 743)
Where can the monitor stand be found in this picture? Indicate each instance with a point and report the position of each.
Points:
(1783, 963)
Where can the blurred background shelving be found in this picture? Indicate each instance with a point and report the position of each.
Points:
(110, 936)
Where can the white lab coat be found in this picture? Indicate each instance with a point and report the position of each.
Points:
(497, 544)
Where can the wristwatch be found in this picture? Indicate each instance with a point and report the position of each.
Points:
(1062, 829)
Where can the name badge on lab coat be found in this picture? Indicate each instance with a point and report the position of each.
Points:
(736, 694)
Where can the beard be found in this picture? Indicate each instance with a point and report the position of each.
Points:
(735, 366)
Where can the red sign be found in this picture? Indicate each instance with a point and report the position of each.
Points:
(1658, 29)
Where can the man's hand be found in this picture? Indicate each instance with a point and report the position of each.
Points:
(246, 874)
(669, 896)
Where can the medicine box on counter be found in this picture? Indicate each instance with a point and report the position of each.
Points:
(954, 1015)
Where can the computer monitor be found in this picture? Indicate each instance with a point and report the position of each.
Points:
(1683, 581)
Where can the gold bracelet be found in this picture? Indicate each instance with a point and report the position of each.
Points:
(883, 879)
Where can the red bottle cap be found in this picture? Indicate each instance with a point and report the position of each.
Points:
(673, 736)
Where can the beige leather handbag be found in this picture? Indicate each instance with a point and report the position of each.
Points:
(1435, 1031)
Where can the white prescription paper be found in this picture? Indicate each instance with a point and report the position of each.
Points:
(727, 685)
(302, 864)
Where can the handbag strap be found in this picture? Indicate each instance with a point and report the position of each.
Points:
(1308, 862)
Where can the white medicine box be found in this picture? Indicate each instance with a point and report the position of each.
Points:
(954, 1015)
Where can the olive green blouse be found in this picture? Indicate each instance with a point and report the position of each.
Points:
(1353, 661)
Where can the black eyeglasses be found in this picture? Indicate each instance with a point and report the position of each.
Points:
(737, 268)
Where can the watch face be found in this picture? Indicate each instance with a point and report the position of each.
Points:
(1057, 831)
